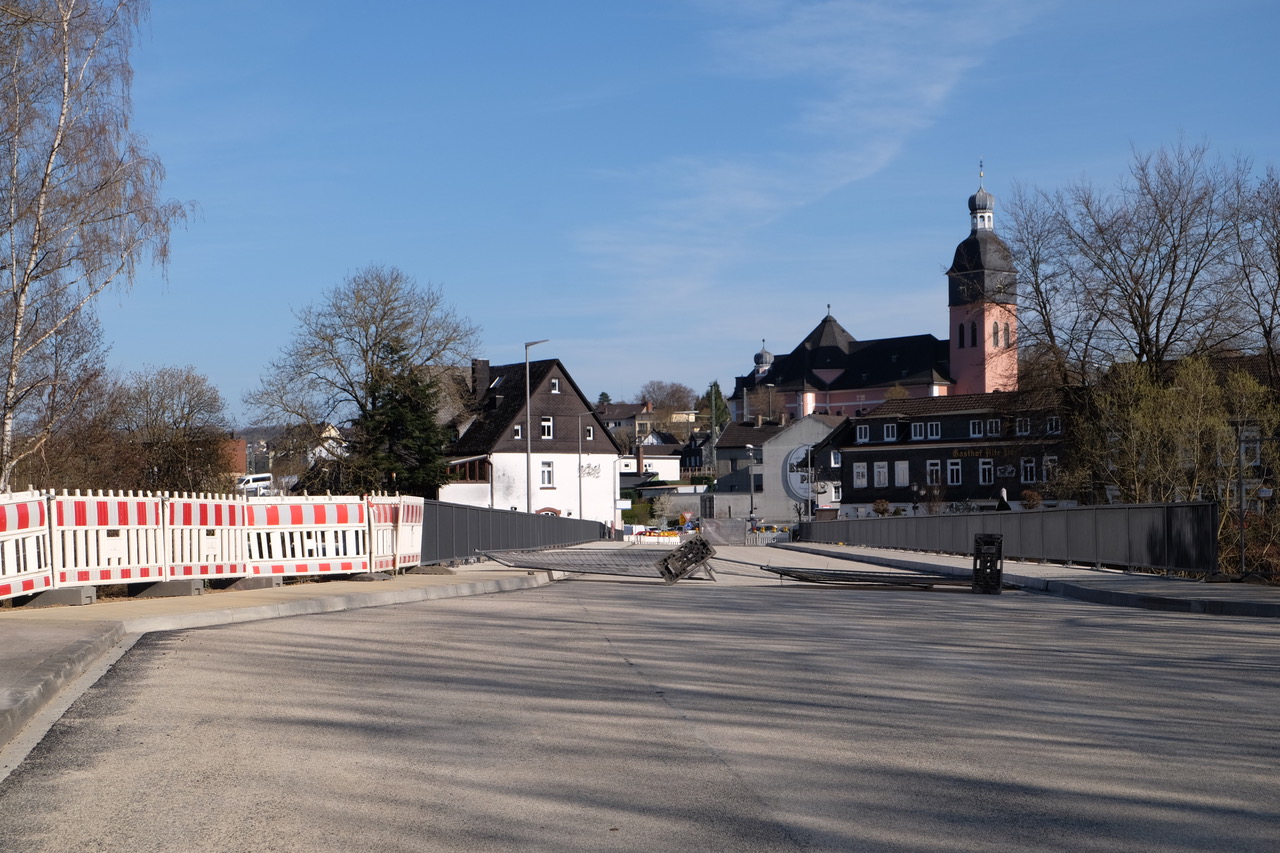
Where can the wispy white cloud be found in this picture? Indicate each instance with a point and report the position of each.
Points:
(868, 74)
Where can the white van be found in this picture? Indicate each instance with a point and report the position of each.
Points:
(256, 485)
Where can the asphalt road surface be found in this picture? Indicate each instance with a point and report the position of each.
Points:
(605, 714)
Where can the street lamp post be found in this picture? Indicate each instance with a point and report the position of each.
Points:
(751, 480)
(528, 430)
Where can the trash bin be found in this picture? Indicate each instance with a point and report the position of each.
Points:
(988, 562)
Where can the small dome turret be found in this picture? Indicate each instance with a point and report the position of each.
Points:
(982, 206)
(763, 359)
(981, 202)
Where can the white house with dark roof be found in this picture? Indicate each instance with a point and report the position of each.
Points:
(559, 439)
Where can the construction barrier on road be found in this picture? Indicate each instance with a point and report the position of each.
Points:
(50, 541)
(206, 537)
(308, 535)
(395, 532)
(25, 562)
(106, 538)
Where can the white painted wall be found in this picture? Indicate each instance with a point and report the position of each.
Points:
(598, 494)
(665, 467)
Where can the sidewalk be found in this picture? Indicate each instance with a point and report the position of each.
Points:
(1100, 586)
(46, 649)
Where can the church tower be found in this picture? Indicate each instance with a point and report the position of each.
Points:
(982, 295)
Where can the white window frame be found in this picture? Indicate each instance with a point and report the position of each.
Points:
(591, 433)
(548, 426)
(864, 433)
(935, 429)
(882, 475)
(1022, 426)
(518, 431)
(1050, 467)
(986, 472)
(933, 472)
(859, 475)
(902, 473)
(917, 431)
(954, 473)
(835, 459)
(975, 429)
(890, 432)
(1053, 425)
(1028, 469)
(548, 474)
(555, 386)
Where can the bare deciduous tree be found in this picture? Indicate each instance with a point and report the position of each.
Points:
(80, 204)
(328, 373)
(177, 419)
(1257, 242)
(1144, 274)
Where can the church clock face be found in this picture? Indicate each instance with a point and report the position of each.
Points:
(796, 475)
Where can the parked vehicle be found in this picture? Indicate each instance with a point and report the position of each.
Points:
(256, 485)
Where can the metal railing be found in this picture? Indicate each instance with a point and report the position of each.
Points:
(1180, 537)
(452, 532)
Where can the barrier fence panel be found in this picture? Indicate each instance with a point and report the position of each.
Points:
(106, 538)
(384, 515)
(307, 535)
(395, 529)
(205, 536)
(26, 564)
(453, 532)
(1168, 537)
(409, 533)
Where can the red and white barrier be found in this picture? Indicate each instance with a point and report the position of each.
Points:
(206, 537)
(105, 537)
(50, 541)
(26, 564)
(307, 535)
(395, 530)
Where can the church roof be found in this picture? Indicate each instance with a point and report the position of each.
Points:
(981, 250)
(831, 359)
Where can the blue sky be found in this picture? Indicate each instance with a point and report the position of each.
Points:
(654, 185)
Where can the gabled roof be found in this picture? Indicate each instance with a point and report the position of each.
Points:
(742, 434)
(501, 406)
(622, 411)
(830, 359)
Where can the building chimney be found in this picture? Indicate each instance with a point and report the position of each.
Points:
(479, 377)
(759, 421)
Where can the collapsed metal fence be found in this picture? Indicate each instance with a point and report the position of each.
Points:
(1180, 537)
(451, 532)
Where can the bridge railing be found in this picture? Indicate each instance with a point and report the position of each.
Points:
(1178, 537)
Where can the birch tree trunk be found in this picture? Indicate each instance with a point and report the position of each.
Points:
(79, 194)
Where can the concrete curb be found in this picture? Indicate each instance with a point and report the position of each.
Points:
(23, 700)
(329, 604)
